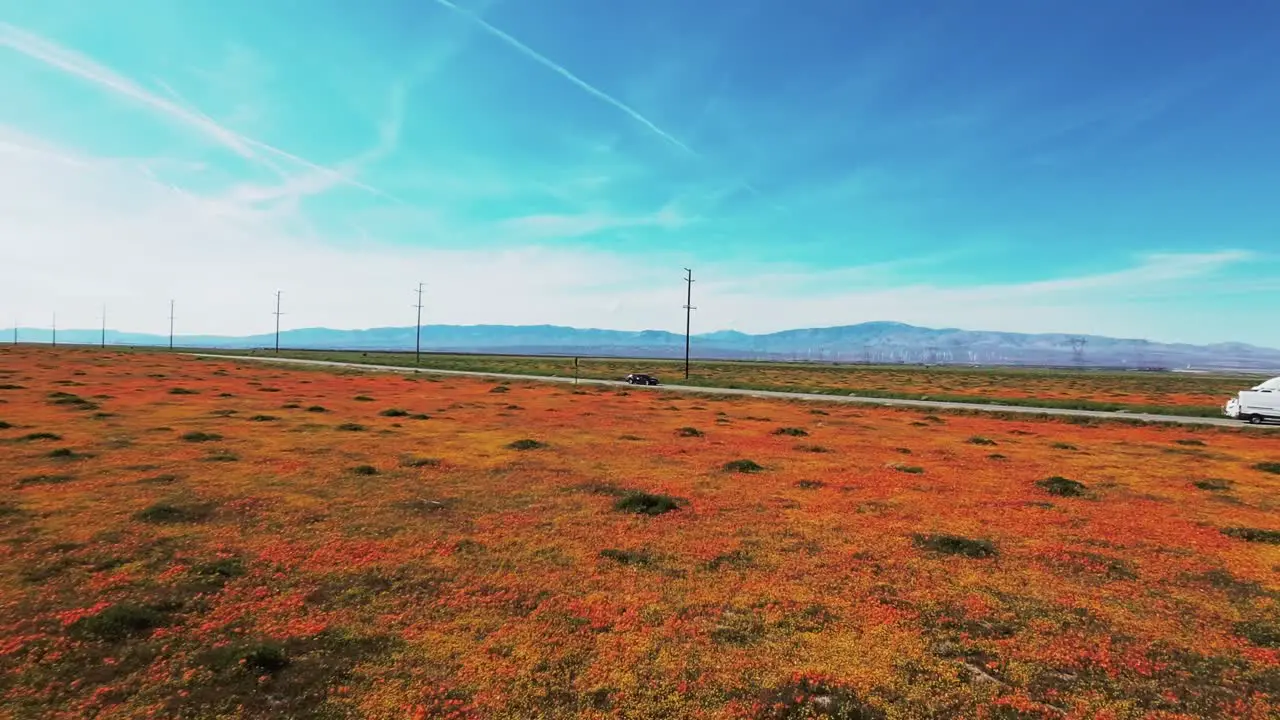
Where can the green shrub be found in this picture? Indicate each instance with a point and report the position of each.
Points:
(1258, 535)
(955, 545)
(364, 398)
(268, 658)
(45, 480)
(979, 440)
(351, 427)
(166, 513)
(221, 570)
(739, 628)
(1061, 486)
(526, 444)
(199, 436)
(1190, 442)
(182, 391)
(1063, 446)
(1213, 484)
(810, 484)
(689, 432)
(317, 409)
(743, 466)
(79, 403)
(628, 557)
(909, 469)
(118, 622)
(415, 461)
(644, 503)
(394, 412)
(1262, 632)
(1268, 467)
(791, 432)
(364, 470)
(40, 436)
(263, 418)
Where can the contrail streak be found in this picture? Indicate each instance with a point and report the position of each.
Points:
(562, 72)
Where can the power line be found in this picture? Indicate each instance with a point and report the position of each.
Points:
(417, 342)
(278, 314)
(688, 315)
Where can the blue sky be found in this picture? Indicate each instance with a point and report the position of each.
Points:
(1032, 166)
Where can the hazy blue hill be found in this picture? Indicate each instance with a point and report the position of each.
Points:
(880, 342)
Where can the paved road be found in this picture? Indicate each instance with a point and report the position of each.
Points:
(814, 397)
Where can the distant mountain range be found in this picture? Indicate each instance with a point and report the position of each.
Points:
(874, 342)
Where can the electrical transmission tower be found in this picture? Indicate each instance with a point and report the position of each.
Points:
(1077, 349)
(171, 304)
(688, 318)
(277, 313)
(417, 343)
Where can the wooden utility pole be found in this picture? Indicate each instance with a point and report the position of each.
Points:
(171, 303)
(417, 342)
(277, 314)
(55, 329)
(104, 326)
(688, 314)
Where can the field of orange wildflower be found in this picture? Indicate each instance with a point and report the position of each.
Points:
(204, 538)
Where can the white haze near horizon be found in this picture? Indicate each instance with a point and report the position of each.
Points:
(83, 231)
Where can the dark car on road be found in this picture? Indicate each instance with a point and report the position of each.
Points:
(641, 379)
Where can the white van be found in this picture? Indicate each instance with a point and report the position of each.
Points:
(1257, 404)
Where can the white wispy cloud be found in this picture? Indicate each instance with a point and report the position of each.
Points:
(568, 75)
(79, 65)
(318, 181)
(75, 63)
(551, 226)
